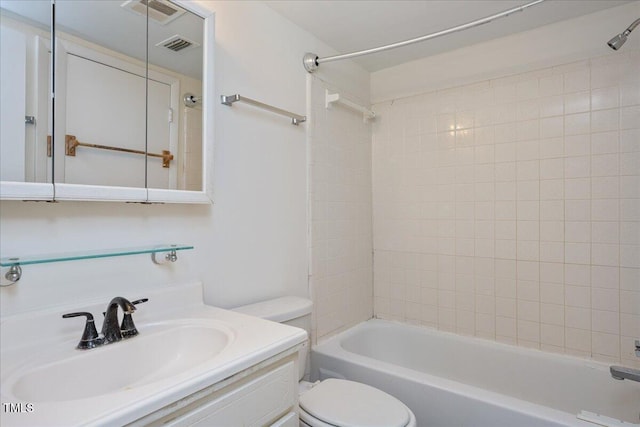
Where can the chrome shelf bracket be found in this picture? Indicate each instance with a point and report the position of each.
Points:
(13, 275)
(171, 256)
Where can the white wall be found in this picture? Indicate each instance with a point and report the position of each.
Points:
(509, 208)
(252, 242)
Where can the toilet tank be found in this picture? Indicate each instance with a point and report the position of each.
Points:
(292, 311)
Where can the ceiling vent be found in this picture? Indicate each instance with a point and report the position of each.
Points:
(161, 11)
(177, 43)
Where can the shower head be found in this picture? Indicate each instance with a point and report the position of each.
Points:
(617, 42)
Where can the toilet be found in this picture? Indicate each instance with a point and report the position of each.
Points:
(332, 402)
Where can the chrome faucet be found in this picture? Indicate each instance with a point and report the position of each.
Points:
(111, 327)
(624, 373)
(112, 331)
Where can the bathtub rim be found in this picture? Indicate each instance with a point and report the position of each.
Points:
(369, 324)
(332, 347)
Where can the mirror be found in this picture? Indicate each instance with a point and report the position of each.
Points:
(128, 110)
(25, 122)
(122, 71)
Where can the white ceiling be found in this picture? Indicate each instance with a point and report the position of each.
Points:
(107, 23)
(351, 25)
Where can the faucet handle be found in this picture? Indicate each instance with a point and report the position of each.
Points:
(128, 328)
(90, 337)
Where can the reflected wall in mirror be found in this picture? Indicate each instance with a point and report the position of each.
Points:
(175, 43)
(25, 110)
(122, 71)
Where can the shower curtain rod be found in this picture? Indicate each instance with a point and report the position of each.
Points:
(311, 61)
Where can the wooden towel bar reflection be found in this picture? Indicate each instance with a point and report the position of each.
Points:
(71, 143)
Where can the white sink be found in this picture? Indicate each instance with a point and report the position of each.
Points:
(183, 348)
(160, 351)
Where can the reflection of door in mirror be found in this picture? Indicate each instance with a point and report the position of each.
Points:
(106, 129)
(121, 117)
(24, 78)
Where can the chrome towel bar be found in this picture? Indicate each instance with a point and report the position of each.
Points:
(230, 99)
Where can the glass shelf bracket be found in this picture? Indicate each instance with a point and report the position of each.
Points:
(15, 263)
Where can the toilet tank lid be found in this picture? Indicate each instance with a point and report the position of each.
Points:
(279, 310)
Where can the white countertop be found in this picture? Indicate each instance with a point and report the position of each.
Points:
(28, 337)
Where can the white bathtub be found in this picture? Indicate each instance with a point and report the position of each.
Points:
(449, 380)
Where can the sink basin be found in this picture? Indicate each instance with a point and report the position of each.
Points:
(160, 351)
(184, 347)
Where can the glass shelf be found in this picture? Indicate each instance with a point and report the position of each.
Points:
(102, 253)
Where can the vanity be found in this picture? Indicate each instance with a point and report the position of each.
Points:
(147, 138)
(93, 114)
(190, 364)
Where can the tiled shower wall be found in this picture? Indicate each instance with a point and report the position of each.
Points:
(341, 263)
(509, 209)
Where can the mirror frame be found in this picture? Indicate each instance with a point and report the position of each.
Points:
(76, 192)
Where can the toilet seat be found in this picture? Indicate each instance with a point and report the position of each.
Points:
(342, 403)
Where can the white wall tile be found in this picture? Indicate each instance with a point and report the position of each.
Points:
(605, 299)
(607, 344)
(577, 145)
(605, 254)
(629, 325)
(577, 80)
(577, 210)
(629, 233)
(577, 296)
(577, 231)
(605, 232)
(605, 98)
(605, 277)
(605, 187)
(575, 274)
(529, 211)
(550, 85)
(552, 251)
(605, 142)
(577, 167)
(577, 339)
(578, 318)
(580, 124)
(552, 168)
(606, 120)
(552, 314)
(552, 147)
(629, 117)
(602, 75)
(577, 102)
(552, 189)
(340, 255)
(577, 253)
(552, 210)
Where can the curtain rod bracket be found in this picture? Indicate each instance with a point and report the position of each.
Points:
(310, 62)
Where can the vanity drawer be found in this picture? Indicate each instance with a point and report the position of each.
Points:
(260, 399)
